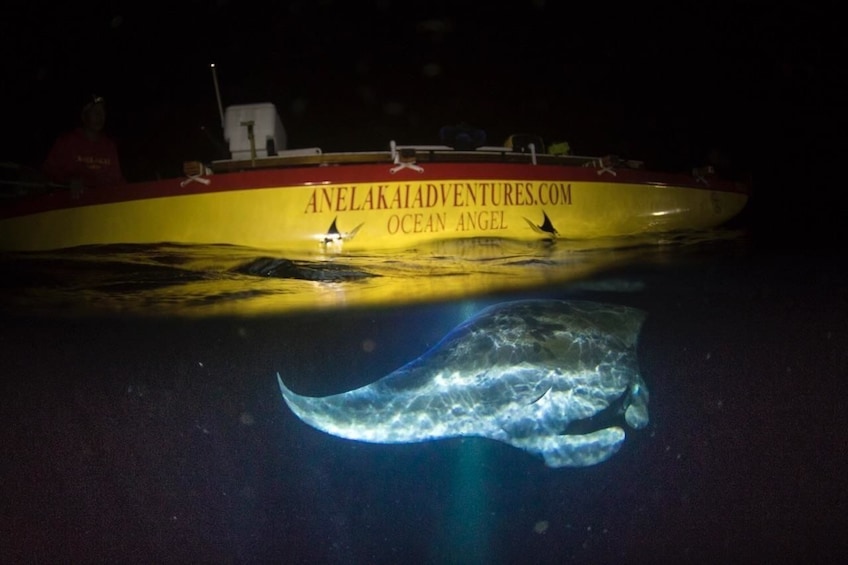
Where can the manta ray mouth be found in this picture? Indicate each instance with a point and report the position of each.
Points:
(611, 416)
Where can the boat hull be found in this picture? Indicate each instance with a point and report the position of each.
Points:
(364, 207)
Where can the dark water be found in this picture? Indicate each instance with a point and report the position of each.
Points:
(142, 421)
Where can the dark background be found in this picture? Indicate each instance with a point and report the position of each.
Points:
(129, 440)
(761, 88)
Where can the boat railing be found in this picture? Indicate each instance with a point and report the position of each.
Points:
(405, 156)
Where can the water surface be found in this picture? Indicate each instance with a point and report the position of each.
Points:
(142, 419)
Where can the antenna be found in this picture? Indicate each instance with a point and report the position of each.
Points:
(217, 93)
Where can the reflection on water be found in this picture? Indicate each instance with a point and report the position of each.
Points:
(176, 280)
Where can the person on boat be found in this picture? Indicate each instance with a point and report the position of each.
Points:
(85, 157)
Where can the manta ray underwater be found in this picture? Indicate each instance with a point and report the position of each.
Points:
(558, 379)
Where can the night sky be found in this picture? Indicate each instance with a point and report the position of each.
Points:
(666, 85)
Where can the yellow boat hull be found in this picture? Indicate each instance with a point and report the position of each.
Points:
(356, 208)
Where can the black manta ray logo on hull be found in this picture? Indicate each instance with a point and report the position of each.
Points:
(334, 236)
(546, 227)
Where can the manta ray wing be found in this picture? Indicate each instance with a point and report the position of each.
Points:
(574, 450)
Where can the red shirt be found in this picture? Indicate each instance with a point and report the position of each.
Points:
(76, 157)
